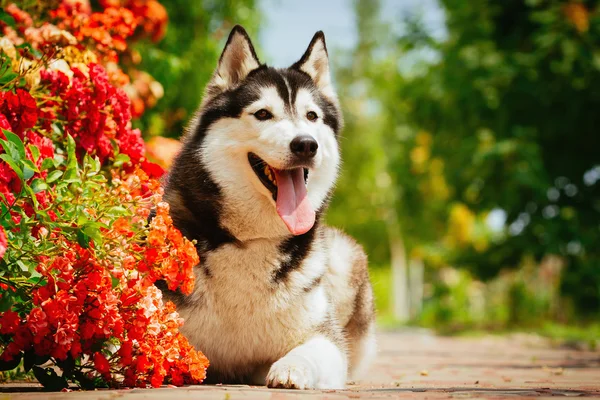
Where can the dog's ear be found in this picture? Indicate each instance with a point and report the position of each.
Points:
(237, 61)
(315, 62)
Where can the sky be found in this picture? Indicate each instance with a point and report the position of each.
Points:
(289, 25)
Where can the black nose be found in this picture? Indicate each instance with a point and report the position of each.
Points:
(304, 146)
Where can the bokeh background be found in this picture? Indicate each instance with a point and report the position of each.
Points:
(471, 146)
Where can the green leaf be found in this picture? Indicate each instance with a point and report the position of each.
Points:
(71, 173)
(3, 205)
(32, 197)
(39, 185)
(49, 379)
(121, 159)
(10, 149)
(54, 175)
(115, 282)
(27, 172)
(47, 163)
(7, 77)
(7, 19)
(56, 129)
(92, 229)
(82, 239)
(29, 164)
(6, 301)
(35, 152)
(12, 164)
(36, 278)
(12, 364)
(83, 380)
(23, 266)
(16, 140)
(116, 211)
(30, 359)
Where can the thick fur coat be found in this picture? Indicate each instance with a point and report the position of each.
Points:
(280, 298)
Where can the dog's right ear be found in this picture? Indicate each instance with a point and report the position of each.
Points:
(237, 61)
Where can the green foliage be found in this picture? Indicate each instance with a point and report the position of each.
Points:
(510, 114)
(184, 59)
(77, 190)
(500, 120)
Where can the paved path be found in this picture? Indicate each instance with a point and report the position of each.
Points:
(417, 365)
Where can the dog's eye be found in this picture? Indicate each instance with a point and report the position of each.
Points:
(263, 115)
(311, 116)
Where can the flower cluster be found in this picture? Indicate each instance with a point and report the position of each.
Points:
(96, 112)
(109, 29)
(103, 303)
(79, 252)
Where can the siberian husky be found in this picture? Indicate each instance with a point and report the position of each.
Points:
(280, 298)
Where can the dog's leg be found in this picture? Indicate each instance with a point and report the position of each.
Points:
(360, 332)
(317, 364)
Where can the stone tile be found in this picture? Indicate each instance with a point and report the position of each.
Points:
(412, 364)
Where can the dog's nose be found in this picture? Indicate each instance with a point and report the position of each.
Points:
(304, 146)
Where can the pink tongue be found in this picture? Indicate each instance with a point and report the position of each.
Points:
(292, 201)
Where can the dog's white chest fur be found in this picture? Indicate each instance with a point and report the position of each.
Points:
(277, 293)
(242, 317)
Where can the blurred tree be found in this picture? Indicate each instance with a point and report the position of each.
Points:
(365, 204)
(502, 122)
(186, 57)
(509, 108)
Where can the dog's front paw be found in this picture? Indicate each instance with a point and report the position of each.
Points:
(291, 372)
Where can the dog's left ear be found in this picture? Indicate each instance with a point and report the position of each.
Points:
(315, 62)
(237, 61)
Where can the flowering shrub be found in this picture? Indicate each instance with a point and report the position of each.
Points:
(78, 257)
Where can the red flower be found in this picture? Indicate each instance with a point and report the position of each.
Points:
(3, 242)
(89, 297)
(44, 145)
(153, 170)
(101, 363)
(4, 124)
(132, 144)
(22, 18)
(9, 322)
(19, 109)
(38, 324)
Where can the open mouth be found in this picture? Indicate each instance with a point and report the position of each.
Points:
(288, 188)
(267, 174)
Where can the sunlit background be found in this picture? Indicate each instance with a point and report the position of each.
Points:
(471, 146)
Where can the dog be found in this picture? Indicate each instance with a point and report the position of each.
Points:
(280, 299)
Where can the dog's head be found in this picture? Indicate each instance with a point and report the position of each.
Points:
(267, 138)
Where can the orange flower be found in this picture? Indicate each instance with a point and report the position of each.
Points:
(122, 226)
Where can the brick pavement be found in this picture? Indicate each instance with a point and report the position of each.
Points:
(415, 364)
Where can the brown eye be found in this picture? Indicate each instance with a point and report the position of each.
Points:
(263, 115)
(311, 116)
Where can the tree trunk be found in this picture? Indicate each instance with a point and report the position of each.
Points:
(400, 298)
(416, 273)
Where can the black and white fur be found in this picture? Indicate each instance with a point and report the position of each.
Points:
(269, 307)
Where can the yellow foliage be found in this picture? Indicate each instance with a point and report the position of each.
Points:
(424, 139)
(439, 187)
(419, 156)
(460, 225)
(436, 166)
(481, 244)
